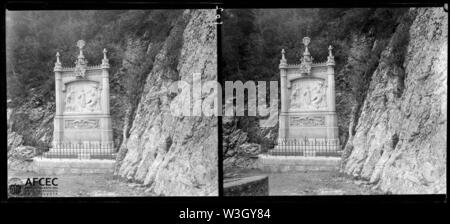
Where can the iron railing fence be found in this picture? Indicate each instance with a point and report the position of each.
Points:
(306, 147)
(81, 150)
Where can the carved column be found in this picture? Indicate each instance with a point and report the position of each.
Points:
(331, 82)
(58, 121)
(283, 79)
(106, 123)
(331, 89)
(105, 88)
(332, 131)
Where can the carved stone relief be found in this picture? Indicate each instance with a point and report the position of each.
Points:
(307, 121)
(81, 124)
(308, 94)
(82, 97)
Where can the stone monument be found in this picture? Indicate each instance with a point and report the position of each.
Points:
(82, 123)
(308, 121)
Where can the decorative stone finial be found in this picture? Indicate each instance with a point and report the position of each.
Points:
(306, 41)
(330, 60)
(81, 62)
(283, 58)
(306, 60)
(57, 58)
(58, 66)
(105, 61)
(81, 44)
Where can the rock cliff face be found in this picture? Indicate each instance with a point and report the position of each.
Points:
(175, 155)
(400, 138)
(30, 124)
(237, 151)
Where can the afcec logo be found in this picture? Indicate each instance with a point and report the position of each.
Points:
(33, 187)
(15, 186)
(42, 182)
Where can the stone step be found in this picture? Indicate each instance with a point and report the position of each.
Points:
(60, 166)
(275, 164)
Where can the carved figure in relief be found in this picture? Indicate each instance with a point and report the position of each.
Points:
(306, 96)
(82, 99)
(70, 100)
(81, 102)
(92, 99)
(309, 96)
(295, 103)
(318, 95)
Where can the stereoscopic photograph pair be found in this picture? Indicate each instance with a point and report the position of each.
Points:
(299, 101)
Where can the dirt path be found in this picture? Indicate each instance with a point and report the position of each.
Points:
(311, 183)
(301, 183)
(89, 185)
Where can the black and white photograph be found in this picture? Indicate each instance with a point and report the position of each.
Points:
(225, 112)
(360, 108)
(91, 96)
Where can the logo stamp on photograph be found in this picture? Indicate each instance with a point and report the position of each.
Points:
(33, 187)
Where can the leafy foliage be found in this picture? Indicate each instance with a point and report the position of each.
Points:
(34, 37)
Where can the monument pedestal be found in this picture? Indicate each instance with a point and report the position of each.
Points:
(53, 166)
(275, 164)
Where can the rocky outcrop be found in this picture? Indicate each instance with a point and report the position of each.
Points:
(400, 138)
(14, 140)
(175, 155)
(238, 152)
(21, 157)
(30, 124)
